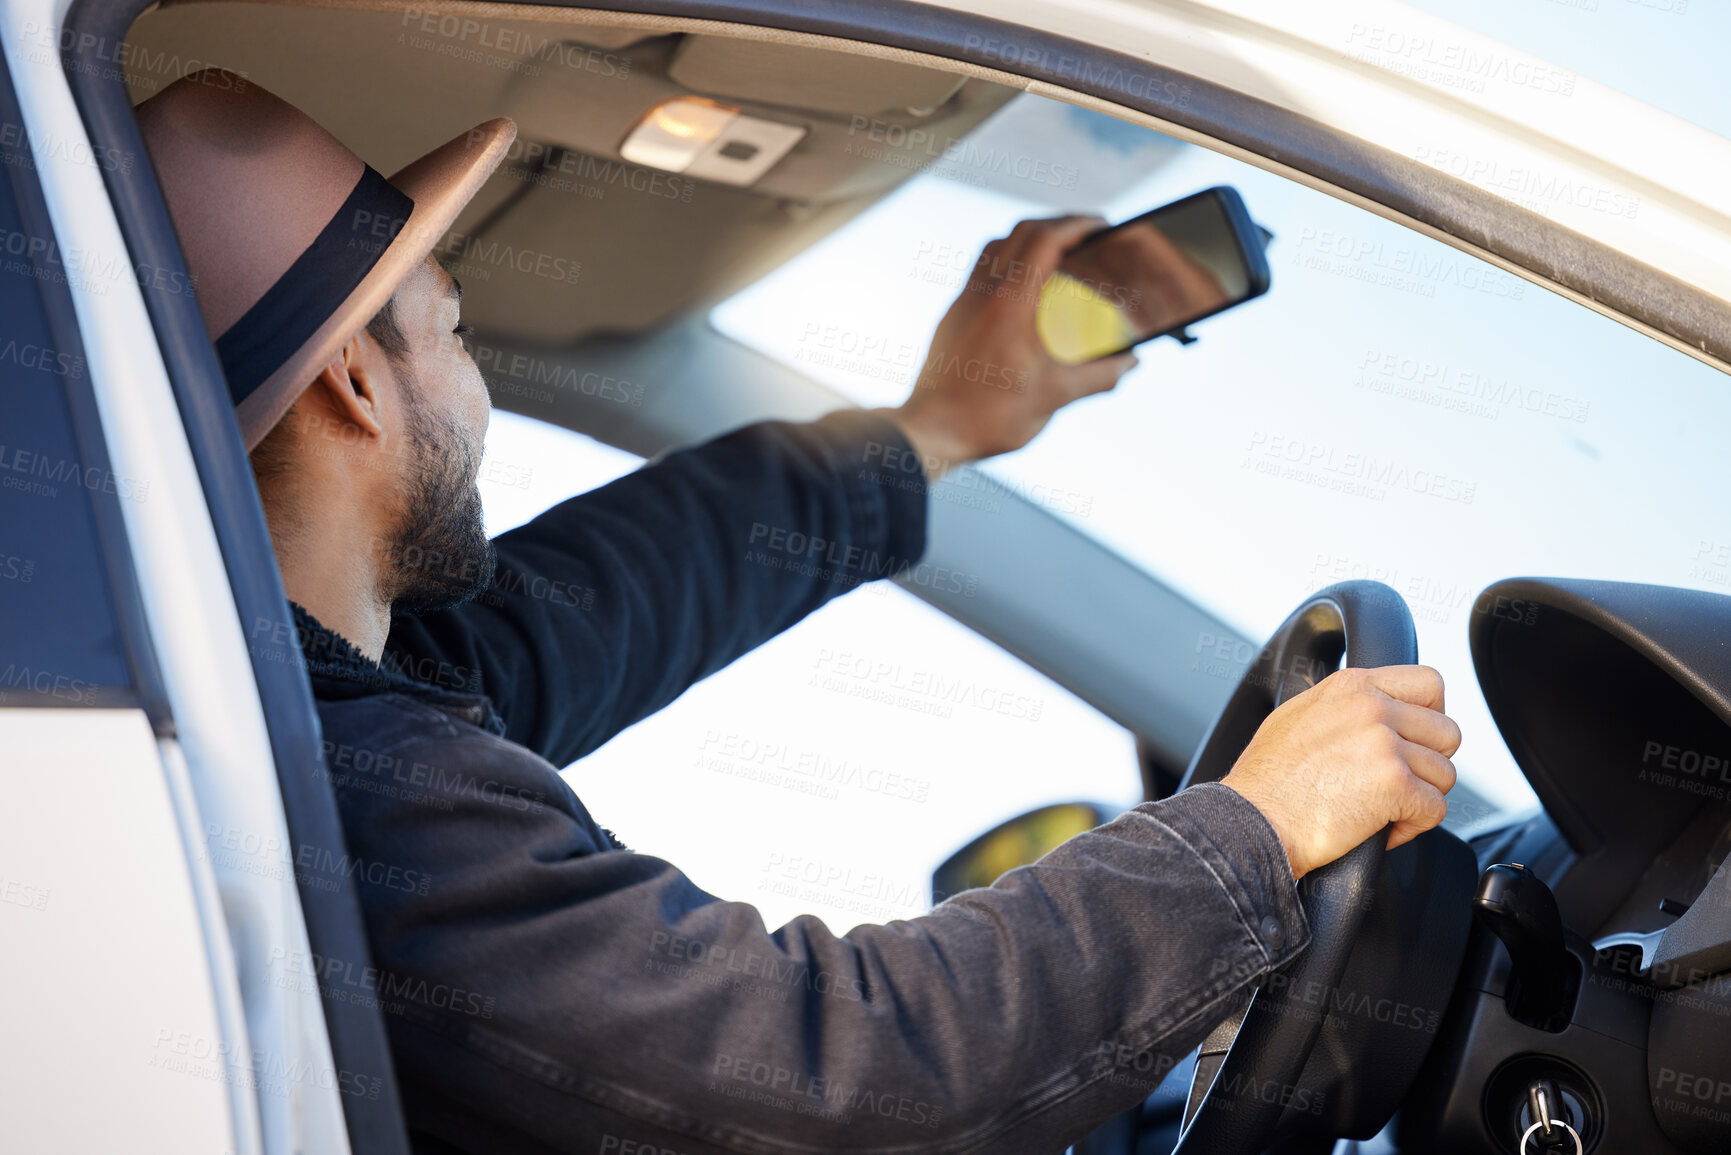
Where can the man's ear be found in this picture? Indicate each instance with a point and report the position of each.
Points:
(349, 386)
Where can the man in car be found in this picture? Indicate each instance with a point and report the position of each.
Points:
(547, 989)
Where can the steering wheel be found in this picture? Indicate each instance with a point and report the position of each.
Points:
(1229, 1112)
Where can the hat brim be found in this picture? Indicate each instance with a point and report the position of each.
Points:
(440, 183)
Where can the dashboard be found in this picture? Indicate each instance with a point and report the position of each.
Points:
(1593, 975)
(1615, 700)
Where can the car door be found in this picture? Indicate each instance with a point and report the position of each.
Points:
(174, 903)
(107, 925)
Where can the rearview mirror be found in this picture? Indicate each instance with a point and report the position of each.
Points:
(1018, 842)
(1153, 275)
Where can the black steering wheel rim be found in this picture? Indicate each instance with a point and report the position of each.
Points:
(1368, 624)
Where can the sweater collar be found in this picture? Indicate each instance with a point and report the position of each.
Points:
(330, 655)
(338, 669)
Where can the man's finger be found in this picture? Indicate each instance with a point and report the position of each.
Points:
(1039, 245)
(999, 256)
(1429, 766)
(1044, 242)
(1097, 376)
(1420, 685)
(1067, 229)
(989, 269)
(1425, 808)
(1425, 726)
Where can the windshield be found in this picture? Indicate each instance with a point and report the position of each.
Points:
(1668, 53)
(1392, 409)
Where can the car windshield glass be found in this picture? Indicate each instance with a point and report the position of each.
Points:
(1392, 409)
(1667, 53)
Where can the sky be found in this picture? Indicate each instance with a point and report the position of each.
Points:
(1392, 409)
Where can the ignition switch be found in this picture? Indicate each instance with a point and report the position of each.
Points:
(1543, 1105)
(1545, 1128)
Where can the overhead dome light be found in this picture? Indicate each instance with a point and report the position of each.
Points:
(708, 139)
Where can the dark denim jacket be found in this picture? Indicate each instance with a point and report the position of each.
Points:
(548, 990)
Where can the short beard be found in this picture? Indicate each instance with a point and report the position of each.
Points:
(440, 556)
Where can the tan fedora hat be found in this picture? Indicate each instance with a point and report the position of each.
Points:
(292, 240)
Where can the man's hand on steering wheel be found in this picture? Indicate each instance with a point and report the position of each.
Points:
(988, 385)
(1359, 750)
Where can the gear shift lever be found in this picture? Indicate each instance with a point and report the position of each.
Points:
(1517, 906)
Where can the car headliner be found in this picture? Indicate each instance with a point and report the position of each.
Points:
(1385, 106)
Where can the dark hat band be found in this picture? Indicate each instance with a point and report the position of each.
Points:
(311, 291)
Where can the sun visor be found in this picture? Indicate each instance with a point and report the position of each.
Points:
(1615, 700)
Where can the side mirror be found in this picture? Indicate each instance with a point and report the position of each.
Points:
(1018, 842)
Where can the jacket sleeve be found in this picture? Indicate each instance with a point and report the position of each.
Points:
(549, 995)
(609, 605)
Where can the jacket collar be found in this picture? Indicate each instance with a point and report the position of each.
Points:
(339, 671)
